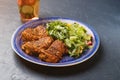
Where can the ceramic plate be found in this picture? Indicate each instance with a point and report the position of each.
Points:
(66, 60)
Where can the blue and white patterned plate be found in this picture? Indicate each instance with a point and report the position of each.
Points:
(66, 60)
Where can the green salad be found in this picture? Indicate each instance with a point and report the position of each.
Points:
(73, 35)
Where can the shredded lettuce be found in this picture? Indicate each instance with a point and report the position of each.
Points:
(73, 35)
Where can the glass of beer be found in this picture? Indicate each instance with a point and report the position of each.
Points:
(28, 9)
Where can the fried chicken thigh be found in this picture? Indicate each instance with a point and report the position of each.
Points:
(35, 47)
(54, 53)
(31, 34)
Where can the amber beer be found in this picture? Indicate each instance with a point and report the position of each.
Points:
(28, 9)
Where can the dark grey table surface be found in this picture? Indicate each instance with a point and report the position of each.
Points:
(102, 15)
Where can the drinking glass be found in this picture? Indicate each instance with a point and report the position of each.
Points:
(28, 9)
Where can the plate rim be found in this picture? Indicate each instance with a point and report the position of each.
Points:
(71, 63)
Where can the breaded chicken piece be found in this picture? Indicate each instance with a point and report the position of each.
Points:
(31, 34)
(54, 53)
(35, 47)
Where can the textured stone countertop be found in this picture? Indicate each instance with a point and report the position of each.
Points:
(102, 15)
